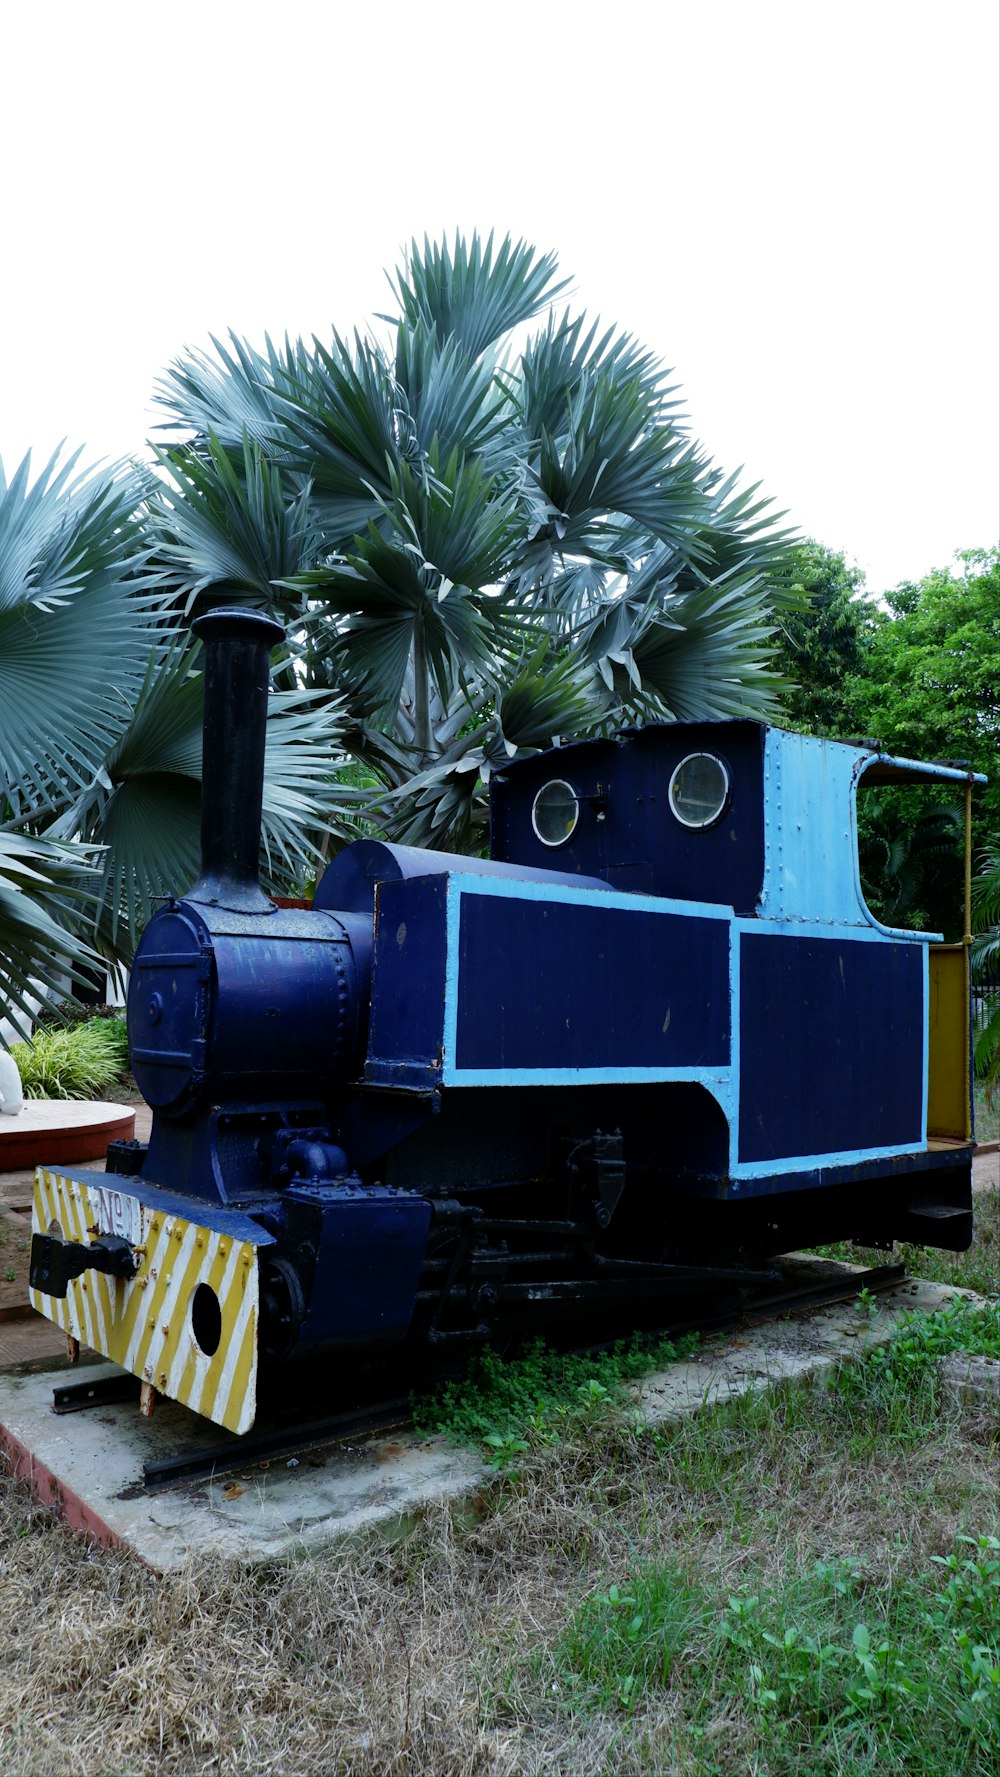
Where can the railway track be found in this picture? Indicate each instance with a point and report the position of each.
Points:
(285, 1441)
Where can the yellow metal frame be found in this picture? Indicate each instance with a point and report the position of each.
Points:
(144, 1322)
(949, 1082)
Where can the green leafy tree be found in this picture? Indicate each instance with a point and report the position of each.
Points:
(928, 687)
(491, 544)
(911, 856)
(930, 684)
(822, 640)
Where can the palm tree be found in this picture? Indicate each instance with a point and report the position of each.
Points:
(481, 539)
(100, 733)
(482, 545)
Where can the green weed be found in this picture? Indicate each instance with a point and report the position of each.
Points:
(509, 1406)
(987, 1115)
(919, 1339)
(908, 1665)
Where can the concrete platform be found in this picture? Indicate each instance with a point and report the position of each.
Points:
(89, 1464)
(49, 1131)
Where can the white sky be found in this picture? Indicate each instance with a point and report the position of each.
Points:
(794, 202)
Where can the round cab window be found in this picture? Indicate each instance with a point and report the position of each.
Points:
(698, 790)
(555, 812)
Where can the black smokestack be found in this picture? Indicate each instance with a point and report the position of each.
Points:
(237, 662)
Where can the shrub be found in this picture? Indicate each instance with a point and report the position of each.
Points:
(73, 1061)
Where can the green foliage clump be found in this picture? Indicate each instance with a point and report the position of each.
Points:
(508, 1407)
(920, 1339)
(881, 1672)
(919, 672)
(892, 1391)
(929, 688)
(73, 1061)
(834, 1670)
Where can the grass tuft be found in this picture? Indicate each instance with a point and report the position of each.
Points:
(891, 1395)
(627, 1638)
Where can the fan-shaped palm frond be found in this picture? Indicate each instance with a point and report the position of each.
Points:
(466, 293)
(147, 816)
(145, 811)
(76, 609)
(567, 354)
(668, 654)
(740, 529)
(241, 533)
(46, 893)
(986, 891)
(341, 412)
(448, 400)
(706, 655)
(416, 585)
(233, 398)
(616, 474)
(541, 698)
(303, 796)
(535, 699)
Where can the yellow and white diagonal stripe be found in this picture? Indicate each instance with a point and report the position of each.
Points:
(144, 1323)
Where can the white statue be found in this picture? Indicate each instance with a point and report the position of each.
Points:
(11, 1096)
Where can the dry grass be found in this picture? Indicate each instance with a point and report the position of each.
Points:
(438, 1654)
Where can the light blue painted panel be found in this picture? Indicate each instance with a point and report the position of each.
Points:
(810, 847)
(759, 1169)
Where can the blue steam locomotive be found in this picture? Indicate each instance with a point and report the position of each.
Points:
(655, 1038)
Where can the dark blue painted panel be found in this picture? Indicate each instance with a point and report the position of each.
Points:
(406, 1027)
(371, 1250)
(831, 1045)
(553, 984)
(626, 833)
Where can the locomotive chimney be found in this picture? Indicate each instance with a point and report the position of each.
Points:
(237, 647)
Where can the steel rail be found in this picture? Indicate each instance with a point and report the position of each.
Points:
(278, 1443)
